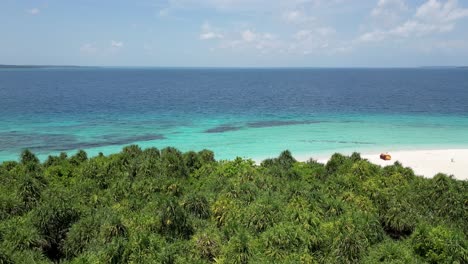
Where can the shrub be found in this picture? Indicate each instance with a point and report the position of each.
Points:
(174, 222)
(80, 235)
(53, 221)
(223, 210)
(338, 163)
(147, 206)
(206, 156)
(10, 204)
(4, 258)
(364, 169)
(79, 157)
(113, 227)
(390, 252)
(282, 167)
(354, 234)
(207, 245)
(28, 157)
(8, 165)
(52, 161)
(152, 154)
(197, 205)
(281, 239)
(439, 244)
(132, 151)
(30, 191)
(54, 173)
(260, 216)
(286, 160)
(173, 165)
(237, 250)
(18, 234)
(192, 161)
(397, 218)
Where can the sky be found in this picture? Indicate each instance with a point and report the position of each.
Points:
(235, 33)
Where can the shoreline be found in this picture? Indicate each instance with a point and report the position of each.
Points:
(424, 162)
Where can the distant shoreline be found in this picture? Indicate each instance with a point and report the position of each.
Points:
(13, 66)
(42, 66)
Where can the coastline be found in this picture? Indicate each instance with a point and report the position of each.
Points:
(424, 162)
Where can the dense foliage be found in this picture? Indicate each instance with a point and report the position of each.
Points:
(152, 206)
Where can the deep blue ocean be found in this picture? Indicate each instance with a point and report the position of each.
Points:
(252, 113)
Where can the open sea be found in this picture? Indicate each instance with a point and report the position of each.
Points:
(254, 113)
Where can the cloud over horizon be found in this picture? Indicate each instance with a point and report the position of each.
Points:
(244, 32)
(432, 17)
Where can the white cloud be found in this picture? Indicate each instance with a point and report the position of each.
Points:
(241, 40)
(325, 31)
(116, 44)
(209, 32)
(103, 50)
(248, 35)
(431, 17)
(318, 33)
(249, 39)
(88, 48)
(34, 11)
(210, 35)
(373, 36)
(318, 40)
(276, 8)
(388, 12)
(310, 39)
(287, 15)
(434, 10)
(297, 17)
(224, 5)
(416, 28)
(385, 7)
(302, 34)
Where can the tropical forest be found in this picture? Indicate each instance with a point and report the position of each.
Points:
(167, 206)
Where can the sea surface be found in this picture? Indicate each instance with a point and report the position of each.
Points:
(254, 113)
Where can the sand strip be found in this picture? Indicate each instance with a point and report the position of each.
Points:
(426, 163)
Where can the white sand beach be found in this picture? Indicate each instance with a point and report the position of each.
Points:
(426, 163)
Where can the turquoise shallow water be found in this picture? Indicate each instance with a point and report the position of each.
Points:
(254, 113)
(250, 136)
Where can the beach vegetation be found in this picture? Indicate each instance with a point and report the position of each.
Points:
(167, 206)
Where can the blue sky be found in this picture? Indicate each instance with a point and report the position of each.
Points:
(235, 33)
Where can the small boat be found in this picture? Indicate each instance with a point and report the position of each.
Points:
(385, 156)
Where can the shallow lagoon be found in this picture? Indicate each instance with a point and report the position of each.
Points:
(252, 113)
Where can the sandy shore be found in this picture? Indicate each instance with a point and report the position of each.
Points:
(424, 162)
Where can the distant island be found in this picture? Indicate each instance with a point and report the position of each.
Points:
(444, 67)
(8, 66)
(5, 66)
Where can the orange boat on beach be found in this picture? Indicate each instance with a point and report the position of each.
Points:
(385, 156)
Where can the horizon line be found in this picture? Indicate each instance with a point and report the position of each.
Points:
(228, 67)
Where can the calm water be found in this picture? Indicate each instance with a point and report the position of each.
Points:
(235, 112)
